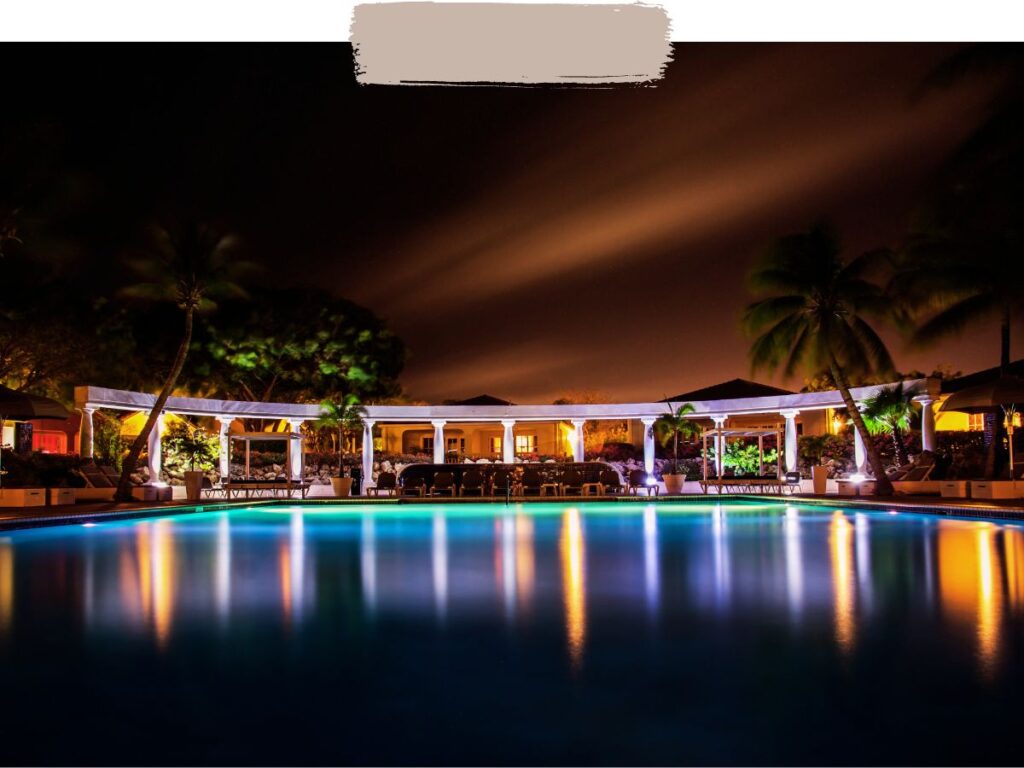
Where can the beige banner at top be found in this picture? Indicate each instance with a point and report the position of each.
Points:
(509, 44)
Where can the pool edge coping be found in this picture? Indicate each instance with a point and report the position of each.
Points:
(978, 511)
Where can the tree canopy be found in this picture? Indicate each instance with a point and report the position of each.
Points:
(296, 345)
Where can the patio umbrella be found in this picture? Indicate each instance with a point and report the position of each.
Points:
(19, 406)
(1003, 393)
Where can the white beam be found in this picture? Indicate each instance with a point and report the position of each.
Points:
(86, 434)
(367, 453)
(225, 446)
(439, 446)
(927, 423)
(792, 443)
(508, 446)
(578, 447)
(648, 445)
(295, 450)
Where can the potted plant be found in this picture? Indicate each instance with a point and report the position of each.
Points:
(669, 428)
(197, 449)
(342, 418)
(814, 448)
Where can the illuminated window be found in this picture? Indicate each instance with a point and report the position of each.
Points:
(976, 422)
(526, 443)
(495, 445)
(457, 444)
(49, 441)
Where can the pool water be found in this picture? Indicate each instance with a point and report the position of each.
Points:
(542, 634)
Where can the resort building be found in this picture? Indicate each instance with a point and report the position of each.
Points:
(490, 429)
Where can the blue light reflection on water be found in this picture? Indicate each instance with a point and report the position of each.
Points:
(674, 592)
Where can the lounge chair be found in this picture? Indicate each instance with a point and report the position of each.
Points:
(531, 482)
(443, 483)
(503, 483)
(472, 482)
(915, 481)
(413, 486)
(572, 483)
(102, 481)
(209, 490)
(636, 481)
(387, 482)
(610, 481)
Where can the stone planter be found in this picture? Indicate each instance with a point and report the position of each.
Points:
(674, 483)
(819, 475)
(342, 486)
(193, 485)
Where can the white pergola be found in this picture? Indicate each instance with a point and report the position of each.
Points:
(88, 399)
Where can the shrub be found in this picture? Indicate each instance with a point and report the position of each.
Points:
(41, 470)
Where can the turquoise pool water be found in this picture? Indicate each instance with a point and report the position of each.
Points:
(547, 633)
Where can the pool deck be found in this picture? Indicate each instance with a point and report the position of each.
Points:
(12, 518)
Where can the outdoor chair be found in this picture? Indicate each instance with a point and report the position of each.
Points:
(503, 483)
(209, 490)
(387, 482)
(610, 482)
(414, 486)
(791, 482)
(472, 482)
(443, 483)
(637, 481)
(572, 483)
(531, 482)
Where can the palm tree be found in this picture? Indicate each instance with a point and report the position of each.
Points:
(956, 269)
(890, 410)
(342, 417)
(815, 318)
(674, 425)
(189, 266)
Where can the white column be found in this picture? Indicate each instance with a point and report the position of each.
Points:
(367, 453)
(225, 446)
(578, 452)
(295, 471)
(439, 445)
(860, 455)
(792, 445)
(648, 445)
(154, 448)
(85, 433)
(508, 445)
(927, 424)
(719, 444)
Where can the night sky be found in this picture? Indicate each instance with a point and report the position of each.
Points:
(523, 242)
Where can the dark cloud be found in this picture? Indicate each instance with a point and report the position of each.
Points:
(523, 242)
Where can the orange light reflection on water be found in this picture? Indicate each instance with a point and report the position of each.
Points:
(6, 585)
(843, 580)
(571, 547)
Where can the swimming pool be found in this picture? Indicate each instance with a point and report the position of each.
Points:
(546, 633)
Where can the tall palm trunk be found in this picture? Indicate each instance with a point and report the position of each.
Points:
(883, 487)
(124, 491)
(901, 448)
(994, 455)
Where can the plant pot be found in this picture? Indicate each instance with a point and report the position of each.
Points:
(193, 485)
(342, 486)
(819, 475)
(674, 483)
